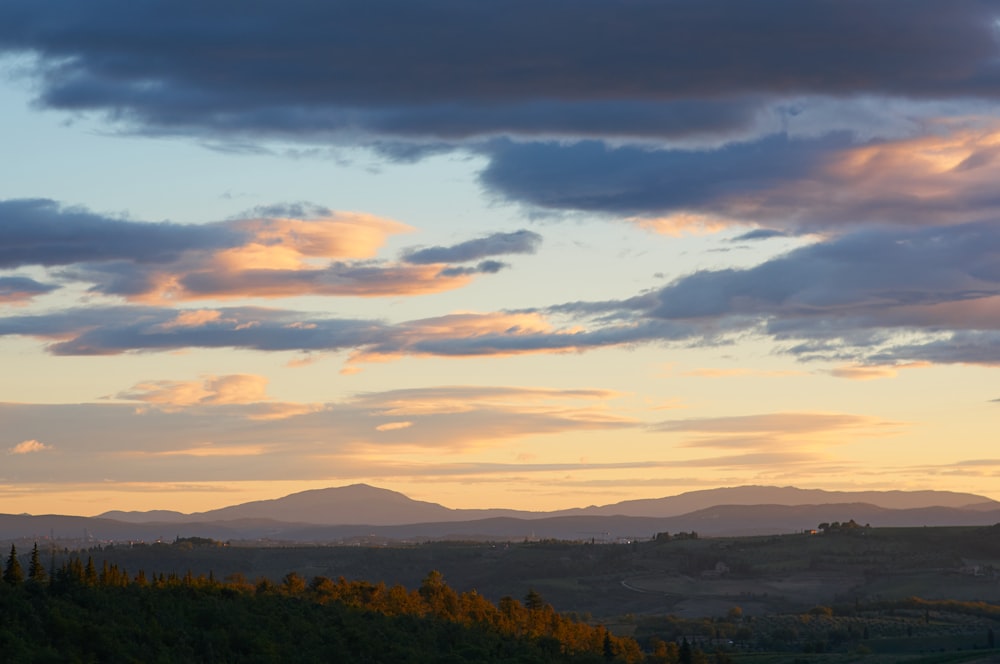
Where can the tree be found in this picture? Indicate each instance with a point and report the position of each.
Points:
(685, 655)
(90, 572)
(533, 600)
(12, 573)
(36, 571)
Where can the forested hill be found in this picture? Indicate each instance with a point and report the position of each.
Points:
(88, 612)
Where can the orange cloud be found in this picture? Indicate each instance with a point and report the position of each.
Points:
(208, 450)
(212, 390)
(284, 257)
(945, 177)
(681, 223)
(875, 372)
(29, 447)
(247, 390)
(289, 243)
(195, 318)
(393, 426)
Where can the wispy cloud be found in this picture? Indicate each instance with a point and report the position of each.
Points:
(393, 426)
(211, 391)
(498, 244)
(224, 420)
(777, 431)
(863, 372)
(707, 372)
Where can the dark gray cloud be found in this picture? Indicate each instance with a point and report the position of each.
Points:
(789, 183)
(41, 232)
(497, 244)
(879, 296)
(447, 67)
(760, 234)
(113, 330)
(410, 81)
(980, 347)
(483, 267)
(592, 176)
(867, 273)
(337, 278)
(22, 289)
(548, 117)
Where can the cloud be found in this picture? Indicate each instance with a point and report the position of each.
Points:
(41, 232)
(211, 390)
(759, 234)
(776, 433)
(450, 399)
(788, 423)
(20, 290)
(593, 176)
(29, 447)
(393, 426)
(792, 183)
(862, 372)
(865, 296)
(497, 244)
(224, 429)
(112, 330)
(164, 67)
(887, 296)
(246, 391)
(209, 450)
(733, 373)
(326, 253)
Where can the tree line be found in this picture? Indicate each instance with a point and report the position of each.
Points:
(82, 611)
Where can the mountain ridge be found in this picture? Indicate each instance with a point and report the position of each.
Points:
(717, 521)
(363, 504)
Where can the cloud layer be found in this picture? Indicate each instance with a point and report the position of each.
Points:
(778, 91)
(320, 253)
(297, 66)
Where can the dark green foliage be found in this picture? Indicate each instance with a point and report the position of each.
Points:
(36, 572)
(12, 573)
(106, 617)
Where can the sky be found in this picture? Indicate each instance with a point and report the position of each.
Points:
(533, 254)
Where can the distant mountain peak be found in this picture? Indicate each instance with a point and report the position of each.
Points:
(364, 504)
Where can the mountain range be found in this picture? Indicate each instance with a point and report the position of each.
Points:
(359, 510)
